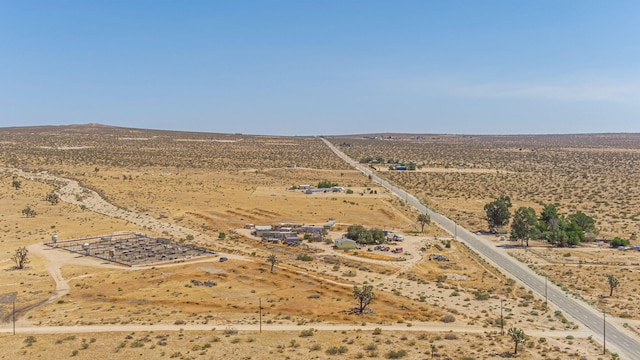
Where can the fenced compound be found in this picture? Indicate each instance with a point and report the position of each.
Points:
(131, 249)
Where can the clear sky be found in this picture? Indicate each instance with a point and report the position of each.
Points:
(323, 67)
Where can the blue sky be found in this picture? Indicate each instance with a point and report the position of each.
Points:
(323, 67)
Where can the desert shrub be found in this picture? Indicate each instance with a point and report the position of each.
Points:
(450, 336)
(448, 318)
(371, 347)
(230, 331)
(377, 331)
(481, 295)
(29, 340)
(304, 257)
(306, 333)
(350, 273)
(396, 354)
(335, 350)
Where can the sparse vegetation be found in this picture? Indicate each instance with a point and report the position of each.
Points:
(192, 186)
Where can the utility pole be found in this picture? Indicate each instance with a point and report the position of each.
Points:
(14, 316)
(260, 313)
(546, 300)
(604, 331)
(501, 319)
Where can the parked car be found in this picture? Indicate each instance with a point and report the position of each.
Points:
(223, 259)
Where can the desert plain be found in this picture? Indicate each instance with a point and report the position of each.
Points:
(203, 189)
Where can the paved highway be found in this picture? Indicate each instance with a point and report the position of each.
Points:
(616, 340)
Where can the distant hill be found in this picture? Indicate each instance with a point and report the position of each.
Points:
(613, 140)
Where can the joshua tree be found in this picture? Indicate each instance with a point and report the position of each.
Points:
(28, 212)
(518, 337)
(613, 283)
(273, 260)
(53, 198)
(423, 219)
(16, 184)
(21, 257)
(433, 350)
(364, 295)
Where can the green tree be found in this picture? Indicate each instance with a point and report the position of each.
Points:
(555, 233)
(574, 233)
(354, 232)
(586, 222)
(524, 226)
(613, 283)
(21, 257)
(548, 214)
(618, 241)
(423, 219)
(498, 214)
(364, 295)
(272, 259)
(518, 336)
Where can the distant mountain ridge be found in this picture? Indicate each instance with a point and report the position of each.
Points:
(97, 128)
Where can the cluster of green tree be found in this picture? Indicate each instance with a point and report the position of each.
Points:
(325, 184)
(555, 228)
(361, 235)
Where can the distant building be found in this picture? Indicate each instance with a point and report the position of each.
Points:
(333, 189)
(292, 240)
(260, 230)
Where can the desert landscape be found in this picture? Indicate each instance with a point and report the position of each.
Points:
(204, 189)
